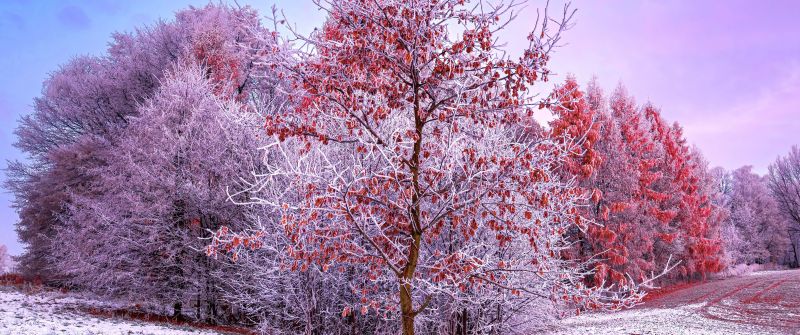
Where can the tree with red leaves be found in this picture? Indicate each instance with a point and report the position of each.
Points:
(576, 123)
(688, 201)
(626, 212)
(408, 159)
(653, 194)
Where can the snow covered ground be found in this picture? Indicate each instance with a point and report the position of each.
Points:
(764, 303)
(54, 313)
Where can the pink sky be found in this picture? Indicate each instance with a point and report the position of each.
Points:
(729, 71)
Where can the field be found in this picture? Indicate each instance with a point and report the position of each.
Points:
(54, 313)
(759, 303)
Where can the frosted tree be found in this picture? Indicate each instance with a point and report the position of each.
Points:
(134, 152)
(784, 181)
(686, 205)
(754, 214)
(141, 229)
(626, 206)
(409, 161)
(652, 192)
(6, 263)
(79, 113)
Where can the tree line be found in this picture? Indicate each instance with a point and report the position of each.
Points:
(384, 174)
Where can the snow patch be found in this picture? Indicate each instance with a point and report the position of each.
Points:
(53, 313)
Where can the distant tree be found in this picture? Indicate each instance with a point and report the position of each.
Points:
(636, 216)
(6, 263)
(730, 237)
(78, 115)
(653, 195)
(627, 201)
(756, 218)
(576, 124)
(784, 181)
(88, 103)
(83, 107)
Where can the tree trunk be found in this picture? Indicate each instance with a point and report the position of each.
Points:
(408, 323)
(197, 308)
(464, 315)
(406, 300)
(177, 311)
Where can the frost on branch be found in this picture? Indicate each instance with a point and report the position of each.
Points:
(409, 158)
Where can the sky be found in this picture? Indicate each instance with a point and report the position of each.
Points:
(728, 71)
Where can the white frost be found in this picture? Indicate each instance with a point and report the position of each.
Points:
(53, 313)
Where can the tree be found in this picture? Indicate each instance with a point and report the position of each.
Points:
(6, 263)
(755, 215)
(74, 120)
(83, 107)
(144, 222)
(406, 160)
(131, 154)
(627, 210)
(784, 181)
(88, 103)
(686, 209)
(652, 192)
(576, 123)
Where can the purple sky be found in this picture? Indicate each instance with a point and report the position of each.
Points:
(729, 71)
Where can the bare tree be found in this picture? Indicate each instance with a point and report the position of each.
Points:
(784, 180)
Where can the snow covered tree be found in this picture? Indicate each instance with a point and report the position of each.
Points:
(161, 193)
(649, 187)
(131, 153)
(83, 107)
(728, 233)
(6, 263)
(755, 215)
(685, 198)
(627, 201)
(80, 111)
(576, 124)
(407, 161)
(707, 186)
(784, 181)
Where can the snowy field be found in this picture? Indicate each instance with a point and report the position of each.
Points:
(54, 313)
(761, 303)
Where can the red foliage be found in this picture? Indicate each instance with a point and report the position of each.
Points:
(575, 124)
(688, 209)
(653, 203)
(12, 279)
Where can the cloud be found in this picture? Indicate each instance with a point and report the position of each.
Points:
(74, 17)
